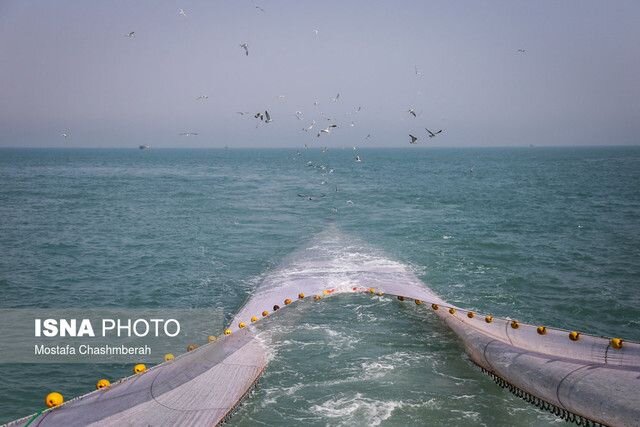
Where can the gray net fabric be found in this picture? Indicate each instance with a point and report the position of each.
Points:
(198, 388)
(584, 381)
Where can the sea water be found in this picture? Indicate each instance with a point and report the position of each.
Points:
(544, 235)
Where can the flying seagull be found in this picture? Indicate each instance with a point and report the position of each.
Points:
(432, 134)
(245, 46)
(327, 129)
(413, 139)
(66, 134)
(188, 134)
(130, 35)
(316, 32)
(307, 129)
(181, 12)
(325, 117)
(242, 113)
(521, 50)
(336, 98)
(263, 117)
(418, 73)
(299, 115)
(202, 98)
(260, 9)
(358, 159)
(412, 112)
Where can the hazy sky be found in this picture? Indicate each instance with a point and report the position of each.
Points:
(67, 65)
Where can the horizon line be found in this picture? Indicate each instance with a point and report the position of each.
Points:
(61, 147)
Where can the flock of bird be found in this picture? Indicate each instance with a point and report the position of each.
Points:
(263, 116)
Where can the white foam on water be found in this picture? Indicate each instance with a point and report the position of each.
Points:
(335, 258)
(403, 358)
(365, 411)
(470, 415)
(463, 396)
(456, 380)
(273, 394)
(356, 410)
(376, 370)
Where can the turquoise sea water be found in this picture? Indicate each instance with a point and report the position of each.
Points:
(544, 235)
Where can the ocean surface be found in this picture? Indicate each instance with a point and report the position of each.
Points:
(544, 235)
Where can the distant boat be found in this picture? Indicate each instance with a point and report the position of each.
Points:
(144, 147)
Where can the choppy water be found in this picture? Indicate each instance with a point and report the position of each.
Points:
(545, 235)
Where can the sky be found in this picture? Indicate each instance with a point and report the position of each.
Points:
(67, 66)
